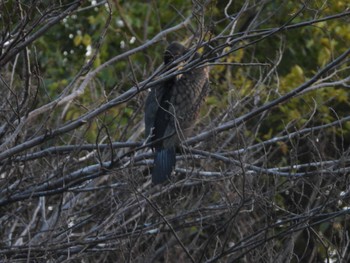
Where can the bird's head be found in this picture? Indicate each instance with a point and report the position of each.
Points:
(173, 52)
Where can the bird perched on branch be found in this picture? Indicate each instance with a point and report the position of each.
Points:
(171, 109)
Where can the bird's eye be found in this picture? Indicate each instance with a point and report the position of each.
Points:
(168, 58)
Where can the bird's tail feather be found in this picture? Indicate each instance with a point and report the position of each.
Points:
(164, 162)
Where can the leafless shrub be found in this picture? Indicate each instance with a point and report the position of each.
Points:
(235, 196)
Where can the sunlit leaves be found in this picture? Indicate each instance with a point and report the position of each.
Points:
(292, 79)
(77, 40)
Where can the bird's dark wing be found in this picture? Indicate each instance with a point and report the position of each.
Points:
(151, 107)
(163, 116)
(157, 119)
(157, 114)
